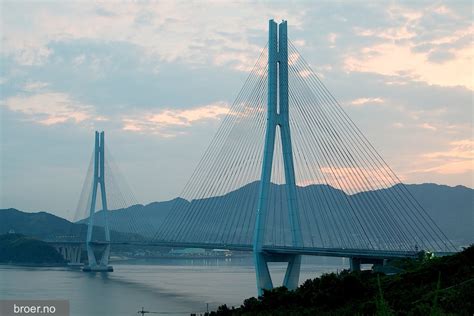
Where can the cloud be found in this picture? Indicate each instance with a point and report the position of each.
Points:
(428, 126)
(416, 46)
(401, 60)
(169, 123)
(332, 37)
(453, 167)
(394, 34)
(460, 149)
(404, 21)
(299, 42)
(35, 86)
(49, 108)
(79, 60)
(166, 31)
(444, 10)
(29, 54)
(364, 101)
(459, 158)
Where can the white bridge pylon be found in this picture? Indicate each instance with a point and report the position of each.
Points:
(99, 179)
(277, 118)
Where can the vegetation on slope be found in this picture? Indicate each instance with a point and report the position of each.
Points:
(20, 249)
(438, 286)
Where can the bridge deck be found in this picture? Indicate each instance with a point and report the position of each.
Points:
(309, 251)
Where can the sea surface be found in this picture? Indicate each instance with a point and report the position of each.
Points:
(163, 286)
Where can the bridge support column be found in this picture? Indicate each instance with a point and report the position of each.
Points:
(264, 279)
(99, 179)
(70, 253)
(354, 264)
(292, 275)
(277, 116)
(75, 257)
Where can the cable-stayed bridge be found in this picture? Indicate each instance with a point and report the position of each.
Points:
(287, 174)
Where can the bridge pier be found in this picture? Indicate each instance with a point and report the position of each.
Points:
(354, 264)
(292, 275)
(70, 253)
(264, 279)
(103, 265)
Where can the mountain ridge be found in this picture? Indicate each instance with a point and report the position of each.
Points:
(451, 207)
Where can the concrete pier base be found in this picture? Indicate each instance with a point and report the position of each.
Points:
(97, 268)
(264, 279)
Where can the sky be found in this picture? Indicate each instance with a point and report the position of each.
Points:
(158, 78)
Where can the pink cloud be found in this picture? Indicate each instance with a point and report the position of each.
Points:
(395, 59)
(395, 53)
(166, 122)
(364, 101)
(428, 126)
(457, 159)
(49, 108)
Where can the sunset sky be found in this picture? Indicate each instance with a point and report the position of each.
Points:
(158, 77)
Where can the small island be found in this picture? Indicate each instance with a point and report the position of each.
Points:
(19, 249)
(428, 286)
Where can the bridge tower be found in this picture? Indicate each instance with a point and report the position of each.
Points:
(277, 118)
(99, 180)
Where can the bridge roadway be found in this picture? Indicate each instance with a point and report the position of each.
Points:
(274, 250)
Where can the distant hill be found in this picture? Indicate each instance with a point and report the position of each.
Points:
(139, 219)
(47, 226)
(452, 208)
(41, 224)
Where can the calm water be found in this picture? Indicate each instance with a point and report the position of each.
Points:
(178, 286)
